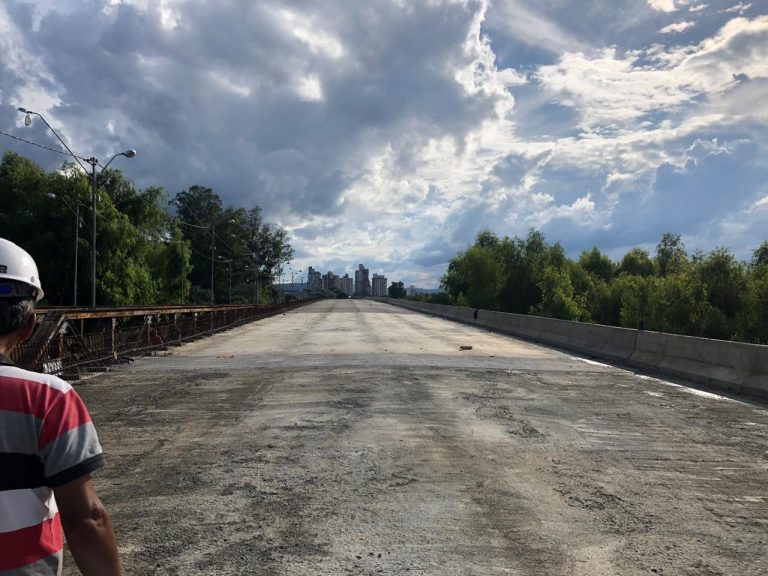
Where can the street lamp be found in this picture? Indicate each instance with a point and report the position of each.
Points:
(76, 212)
(182, 264)
(212, 227)
(256, 262)
(93, 161)
(229, 262)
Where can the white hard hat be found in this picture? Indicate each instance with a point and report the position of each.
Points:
(18, 273)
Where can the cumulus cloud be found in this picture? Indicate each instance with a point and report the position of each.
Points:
(663, 5)
(611, 88)
(390, 132)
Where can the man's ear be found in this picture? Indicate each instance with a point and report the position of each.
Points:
(28, 329)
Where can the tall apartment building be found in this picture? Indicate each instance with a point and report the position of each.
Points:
(328, 280)
(346, 285)
(379, 287)
(362, 281)
(314, 279)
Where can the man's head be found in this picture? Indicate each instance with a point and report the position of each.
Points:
(19, 290)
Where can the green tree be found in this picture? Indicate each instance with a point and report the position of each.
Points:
(726, 288)
(523, 263)
(637, 262)
(678, 304)
(473, 276)
(597, 264)
(199, 210)
(252, 249)
(671, 257)
(755, 317)
(760, 256)
(632, 293)
(559, 300)
(396, 290)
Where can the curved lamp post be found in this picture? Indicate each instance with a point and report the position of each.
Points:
(76, 212)
(182, 265)
(93, 161)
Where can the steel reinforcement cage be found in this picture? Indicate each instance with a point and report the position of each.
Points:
(72, 342)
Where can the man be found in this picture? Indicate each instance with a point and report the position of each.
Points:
(48, 448)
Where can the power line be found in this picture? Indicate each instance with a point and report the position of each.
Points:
(40, 145)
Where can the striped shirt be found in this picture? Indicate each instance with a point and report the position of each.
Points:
(46, 440)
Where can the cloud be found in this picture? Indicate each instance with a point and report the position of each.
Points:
(741, 8)
(677, 27)
(527, 24)
(663, 5)
(612, 90)
(761, 204)
(389, 133)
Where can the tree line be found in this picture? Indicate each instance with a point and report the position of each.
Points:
(712, 295)
(150, 249)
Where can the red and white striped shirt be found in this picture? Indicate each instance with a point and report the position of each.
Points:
(46, 440)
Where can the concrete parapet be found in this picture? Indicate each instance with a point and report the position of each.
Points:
(729, 366)
(604, 341)
(458, 313)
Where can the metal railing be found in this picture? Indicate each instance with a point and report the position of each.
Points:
(72, 342)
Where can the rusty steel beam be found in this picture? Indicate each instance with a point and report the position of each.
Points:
(127, 311)
(57, 348)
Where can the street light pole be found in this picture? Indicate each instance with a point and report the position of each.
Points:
(93, 162)
(94, 194)
(257, 284)
(76, 212)
(213, 256)
(93, 235)
(181, 251)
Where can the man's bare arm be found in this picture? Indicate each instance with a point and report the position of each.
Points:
(88, 528)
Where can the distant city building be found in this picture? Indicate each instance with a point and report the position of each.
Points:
(411, 290)
(314, 279)
(379, 285)
(346, 285)
(362, 281)
(328, 280)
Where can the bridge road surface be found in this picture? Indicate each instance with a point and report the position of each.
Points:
(354, 437)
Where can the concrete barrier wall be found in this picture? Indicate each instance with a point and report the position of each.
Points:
(604, 341)
(728, 366)
(732, 366)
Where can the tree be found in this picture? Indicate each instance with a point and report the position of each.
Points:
(725, 281)
(597, 264)
(523, 263)
(473, 276)
(677, 304)
(760, 256)
(637, 262)
(199, 210)
(671, 256)
(558, 297)
(252, 249)
(632, 292)
(396, 290)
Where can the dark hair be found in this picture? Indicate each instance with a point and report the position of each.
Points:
(15, 313)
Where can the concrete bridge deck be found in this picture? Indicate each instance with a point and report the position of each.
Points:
(352, 437)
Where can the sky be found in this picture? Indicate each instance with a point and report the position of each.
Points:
(390, 132)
